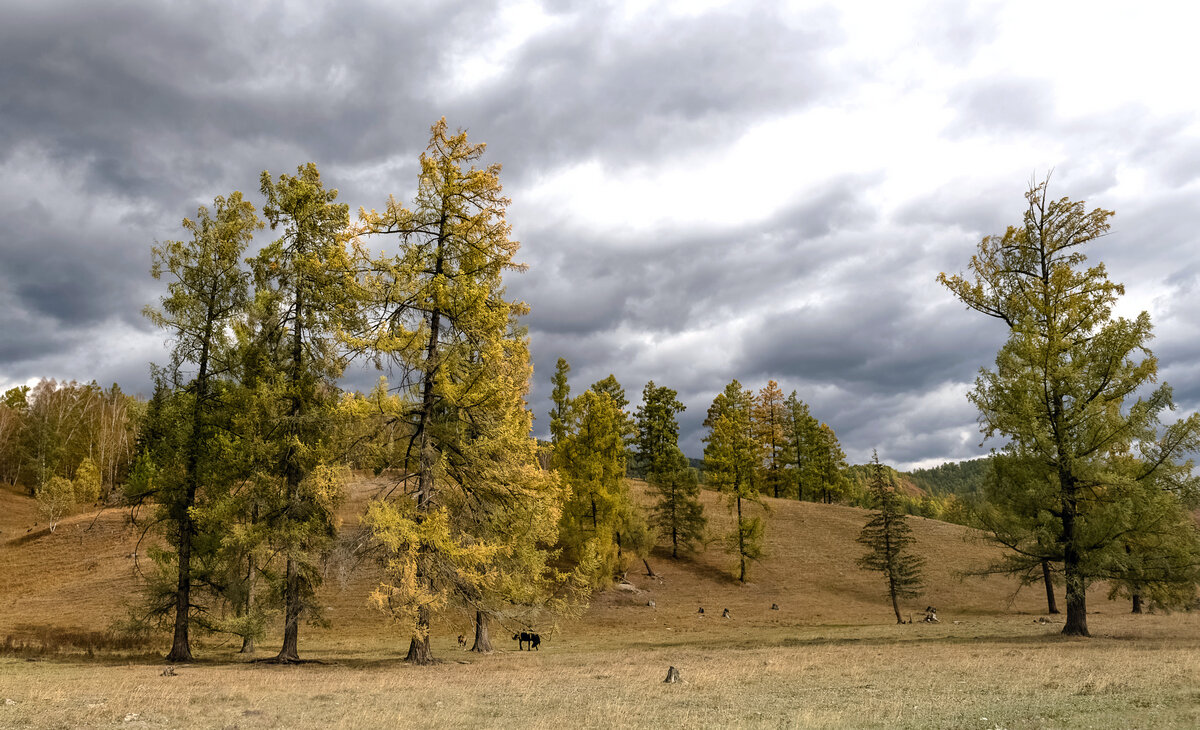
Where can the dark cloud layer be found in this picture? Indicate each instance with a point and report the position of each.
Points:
(120, 118)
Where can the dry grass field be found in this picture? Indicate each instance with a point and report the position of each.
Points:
(830, 657)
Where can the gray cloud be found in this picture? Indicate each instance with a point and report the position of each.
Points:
(119, 119)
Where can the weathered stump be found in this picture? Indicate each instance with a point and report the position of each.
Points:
(672, 676)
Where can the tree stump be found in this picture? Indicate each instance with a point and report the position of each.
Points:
(672, 676)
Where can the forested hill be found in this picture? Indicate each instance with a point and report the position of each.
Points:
(941, 493)
(960, 478)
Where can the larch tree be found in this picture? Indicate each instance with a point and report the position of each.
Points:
(255, 507)
(889, 541)
(677, 514)
(475, 517)
(592, 462)
(770, 418)
(207, 288)
(656, 427)
(308, 290)
(1015, 492)
(801, 443)
(1158, 564)
(731, 457)
(828, 465)
(610, 386)
(1061, 383)
(561, 397)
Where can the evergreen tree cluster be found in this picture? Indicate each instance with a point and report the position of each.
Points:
(245, 447)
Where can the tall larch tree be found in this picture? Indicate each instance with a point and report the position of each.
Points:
(309, 284)
(802, 443)
(592, 462)
(732, 455)
(828, 465)
(207, 288)
(677, 514)
(1061, 383)
(889, 541)
(771, 428)
(475, 516)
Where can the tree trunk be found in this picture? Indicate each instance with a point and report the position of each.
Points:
(483, 642)
(418, 648)
(290, 652)
(419, 651)
(741, 541)
(248, 639)
(649, 570)
(181, 650)
(895, 603)
(1076, 624)
(1137, 603)
(1051, 606)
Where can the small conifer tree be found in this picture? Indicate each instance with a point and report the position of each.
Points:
(889, 539)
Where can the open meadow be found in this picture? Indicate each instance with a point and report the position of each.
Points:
(830, 656)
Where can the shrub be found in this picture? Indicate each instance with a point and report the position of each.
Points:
(87, 482)
(55, 499)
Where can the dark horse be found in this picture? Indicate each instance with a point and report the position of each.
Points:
(527, 636)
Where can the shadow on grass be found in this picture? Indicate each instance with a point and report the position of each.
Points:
(688, 563)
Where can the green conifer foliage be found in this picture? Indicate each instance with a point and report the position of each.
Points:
(1081, 454)
(731, 459)
(889, 541)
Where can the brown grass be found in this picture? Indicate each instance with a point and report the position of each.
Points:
(832, 656)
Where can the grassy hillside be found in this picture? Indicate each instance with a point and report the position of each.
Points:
(80, 576)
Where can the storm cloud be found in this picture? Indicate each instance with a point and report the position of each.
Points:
(703, 191)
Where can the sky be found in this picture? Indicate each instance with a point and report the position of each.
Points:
(703, 190)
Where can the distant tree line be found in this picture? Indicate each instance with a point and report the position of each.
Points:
(54, 428)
